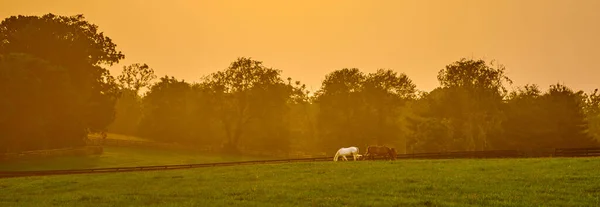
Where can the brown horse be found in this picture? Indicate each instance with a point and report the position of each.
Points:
(374, 151)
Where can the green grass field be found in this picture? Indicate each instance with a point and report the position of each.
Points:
(120, 157)
(491, 182)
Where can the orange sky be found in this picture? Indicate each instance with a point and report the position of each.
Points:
(539, 41)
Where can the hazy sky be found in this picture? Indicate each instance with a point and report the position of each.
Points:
(539, 41)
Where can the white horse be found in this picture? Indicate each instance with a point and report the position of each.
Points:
(347, 151)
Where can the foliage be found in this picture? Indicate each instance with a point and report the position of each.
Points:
(89, 92)
(592, 111)
(133, 78)
(136, 76)
(550, 120)
(471, 100)
(55, 91)
(474, 75)
(566, 109)
(69, 41)
(167, 111)
(128, 113)
(251, 100)
(359, 109)
(25, 124)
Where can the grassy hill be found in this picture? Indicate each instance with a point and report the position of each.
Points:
(120, 157)
(119, 137)
(492, 182)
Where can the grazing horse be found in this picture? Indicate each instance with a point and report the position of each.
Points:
(347, 151)
(373, 151)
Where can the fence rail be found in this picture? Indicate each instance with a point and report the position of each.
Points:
(139, 143)
(560, 152)
(577, 152)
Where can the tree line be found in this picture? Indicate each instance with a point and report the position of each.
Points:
(56, 91)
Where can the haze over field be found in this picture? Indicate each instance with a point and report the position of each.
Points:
(368, 61)
(135, 83)
(539, 41)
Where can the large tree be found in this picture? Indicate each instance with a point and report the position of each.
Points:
(302, 119)
(526, 119)
(553, 119)
(166, 111)
(431, 129)
(567, 121)
(128, 108)
(81, 50)
(385, 93)
(341, 108)
(481, 88)
(136, 76)
(33, 110)
(128, 113)
(362, 109)
(251, 101)
(592, 111)
(470, 100)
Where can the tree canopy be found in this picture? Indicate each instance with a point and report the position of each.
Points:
(79, 50)
(56, 91)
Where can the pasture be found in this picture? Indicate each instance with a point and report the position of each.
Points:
(120, 157)
(461, 182)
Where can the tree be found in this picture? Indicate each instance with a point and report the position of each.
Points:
(33, 109)
(567, 118)
(474, 75)
(432, 135)
(166, 109)
(136, 76)
(526, 119)
(128, 112)
(128, 107)
(69, 41)
(386, 93)
(80, 49)
(248, 93)
(473, 98)
(362, 109)
(302, 119)
(433, 123)
(341, 108)
(553, 119)
(592, 111)
(203, 119)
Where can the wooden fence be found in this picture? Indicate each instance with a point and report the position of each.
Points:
(561, 152)
(176, 146)
(36, 154)
(146, 144)
(577, 152)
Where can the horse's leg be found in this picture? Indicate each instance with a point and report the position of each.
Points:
(344, 156)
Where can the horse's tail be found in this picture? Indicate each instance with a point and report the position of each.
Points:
(337, 154)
